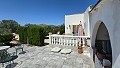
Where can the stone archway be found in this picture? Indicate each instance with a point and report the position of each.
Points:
(102, 43)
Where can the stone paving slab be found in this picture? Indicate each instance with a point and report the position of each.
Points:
(42, 57)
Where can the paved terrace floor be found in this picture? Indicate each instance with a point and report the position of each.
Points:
(42, 57)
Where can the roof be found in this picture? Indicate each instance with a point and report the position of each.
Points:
(95, 5)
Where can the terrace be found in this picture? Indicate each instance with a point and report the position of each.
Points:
(42, 57)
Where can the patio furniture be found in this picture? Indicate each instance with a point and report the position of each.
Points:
(5, 56)
(17, 45)
(7, 44)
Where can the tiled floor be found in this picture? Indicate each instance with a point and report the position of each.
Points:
(42, 57)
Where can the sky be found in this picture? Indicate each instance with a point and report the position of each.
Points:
(51, 12)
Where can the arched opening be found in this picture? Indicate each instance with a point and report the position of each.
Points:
(103, 45)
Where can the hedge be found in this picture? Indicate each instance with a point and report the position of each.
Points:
(34, 34)
(22, 31)
(6, 38)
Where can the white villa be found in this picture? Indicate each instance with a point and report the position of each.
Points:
(101, 24)
(72, 22)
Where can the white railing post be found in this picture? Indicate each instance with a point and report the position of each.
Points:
(50, 40)
(76, 43)
(56, 40)
(53, 40)
(59, 40)
(68, 42)
(64, 41)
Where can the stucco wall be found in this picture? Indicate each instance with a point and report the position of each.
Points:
(72, 20)
(86, 22)
(109, 15)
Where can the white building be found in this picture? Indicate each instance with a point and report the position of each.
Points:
(105, 29)
(102, 24)
(72, 22)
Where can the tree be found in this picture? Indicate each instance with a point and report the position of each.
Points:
(28, 24)
(9, 25)
(62, 28)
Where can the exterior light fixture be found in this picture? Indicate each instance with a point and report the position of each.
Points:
(69, 27)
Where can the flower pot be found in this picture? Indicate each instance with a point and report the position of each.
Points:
(80, 50)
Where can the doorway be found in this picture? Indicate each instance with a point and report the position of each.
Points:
(103, 44)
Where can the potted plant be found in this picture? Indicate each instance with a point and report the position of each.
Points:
(80, 49)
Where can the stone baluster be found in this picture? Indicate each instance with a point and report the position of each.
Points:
(59, 40)
(54, 40)
(51, 39)
(73, 41)
(76, 41)
(68, 41)
(64, 40)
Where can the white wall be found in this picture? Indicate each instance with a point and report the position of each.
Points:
(86, 22)
(72, 20)
(109, 13)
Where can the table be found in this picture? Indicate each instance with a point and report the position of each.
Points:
(14, 42)
(4, 48)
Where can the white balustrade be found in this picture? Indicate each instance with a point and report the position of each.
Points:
(67, 40)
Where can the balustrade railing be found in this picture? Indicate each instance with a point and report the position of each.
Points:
(67, 40)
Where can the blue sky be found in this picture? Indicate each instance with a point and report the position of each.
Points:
(51, 12)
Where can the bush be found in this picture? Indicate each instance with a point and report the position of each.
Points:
(36, 35)
(62, 29)
(5, 38)
(22, 31)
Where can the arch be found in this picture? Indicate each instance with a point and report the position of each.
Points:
(101, 39)
(94, 33)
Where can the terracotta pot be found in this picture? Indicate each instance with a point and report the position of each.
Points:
(80, 50)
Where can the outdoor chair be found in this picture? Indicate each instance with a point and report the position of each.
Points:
(19, 47)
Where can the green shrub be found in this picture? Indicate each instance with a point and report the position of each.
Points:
(22, 31)
(36, 35)
(6, 38)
